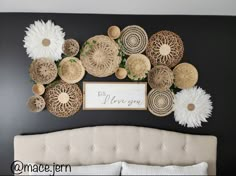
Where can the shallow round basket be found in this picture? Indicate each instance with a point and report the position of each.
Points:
(38, 89)
(160, 103)
(165, 48)
(113, 32)
(134, 40)
(121, 73)
(160, 77)
(186, 76)
(100, 56)
(43, 71)
(63, 99)
(71, 47)
(36, 103)
(138, 66)
(71, 70)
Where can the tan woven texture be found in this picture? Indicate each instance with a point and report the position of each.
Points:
(43, 71)
(113, 32)
(160, 103)
(63, 99)
(99, 56)
(165, 48)
(160, 77)
(38, 89)
(134, 40)
(70, 47)
(186, 75)
(36, 103)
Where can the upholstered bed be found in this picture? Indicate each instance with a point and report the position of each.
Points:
(108, 144)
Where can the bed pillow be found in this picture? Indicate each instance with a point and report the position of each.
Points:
(103, 169)
(133, 169)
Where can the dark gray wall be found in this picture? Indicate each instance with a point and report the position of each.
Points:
(209, 45)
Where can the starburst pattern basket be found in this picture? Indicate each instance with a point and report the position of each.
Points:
(100, 56)
(43, 71)
(160, 103)
(134, 40)
(165, 48)
(36, 103)
(160, 77)
(62, 99)
(70, 47)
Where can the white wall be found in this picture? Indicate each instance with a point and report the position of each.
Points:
(190, 7)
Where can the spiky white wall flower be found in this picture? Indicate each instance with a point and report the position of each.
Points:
(44, 40)
(192, 107)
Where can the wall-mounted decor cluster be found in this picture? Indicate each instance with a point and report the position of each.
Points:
(59, 64)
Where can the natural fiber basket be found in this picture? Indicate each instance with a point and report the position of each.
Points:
(100, 56)
(70, 47)
(138, 66)
(165, 48)
(62, 99)
(36, 103)
(113, 32)
(160, 103)
(134, 40)
(43, 71)
(121, 73)
(38, 89)
(186, 76)
(71, 70)
(160, 77)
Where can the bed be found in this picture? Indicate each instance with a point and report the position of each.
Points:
(108, 144)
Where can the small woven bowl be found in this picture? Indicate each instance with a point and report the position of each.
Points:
(36, 103)
(113, 32)
(38, 89)
(121, 73)
(70, 47)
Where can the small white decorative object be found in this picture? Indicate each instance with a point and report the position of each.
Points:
(44, 40)
(192, 107)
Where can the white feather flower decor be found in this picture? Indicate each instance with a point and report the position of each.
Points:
(192, 107)
(44, 40)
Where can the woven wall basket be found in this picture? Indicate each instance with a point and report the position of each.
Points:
(99, 56)
(160, 77)
(71, 70)
(70, 47)
(160, 103)
(36, 103)
(138, 66)
(62, 99)
(165, 48)
(186, 75)
(43, 71)
(134, 40)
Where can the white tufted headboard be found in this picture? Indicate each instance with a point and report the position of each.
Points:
(107, 144)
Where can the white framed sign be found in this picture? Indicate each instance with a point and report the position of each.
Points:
(114, 96)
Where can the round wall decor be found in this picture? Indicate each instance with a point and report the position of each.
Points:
(43, 71)
(63, 99)
(134, 40)
(113, 32)
(165, 48)
(121, 73)
(70, 47)
(160, 77)
(71, 70)
(160, 103)
(38, 89)
(36, 103)
(99, 56)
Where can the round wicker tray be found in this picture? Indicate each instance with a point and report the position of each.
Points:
(43, 71)
(113, 32)
(62, 99)
(186, 75)
(160, 103)
(165, 48)
(121, 73)
(134, 40)
(71, 70)
(138, 66)
(160, 77)
(38, 89)
(99, 56)
(36, 103)
(70, 47)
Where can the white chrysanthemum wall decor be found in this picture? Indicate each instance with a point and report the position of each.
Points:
(192, 107)
(44, 40)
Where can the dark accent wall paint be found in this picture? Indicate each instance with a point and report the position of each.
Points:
(209, 45)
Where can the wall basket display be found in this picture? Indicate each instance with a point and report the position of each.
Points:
(71, 47)
(36, 103)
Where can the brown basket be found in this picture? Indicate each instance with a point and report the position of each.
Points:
(121, 73)
(113, 32)
(43, 71)
(36, 103)
(186, 75)
(62, 99)
(160, 103)
(38, 89)
(165, 48)
(99, 56)
(160, 77)
(134, 40)
(70, 47)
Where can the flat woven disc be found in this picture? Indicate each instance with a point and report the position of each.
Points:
(36, 103)
(138, 66)
(186, 75)
(160, 103)
(71, 70)
(99, 56)
(134, 40)
(165, 48)
(70, 47)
